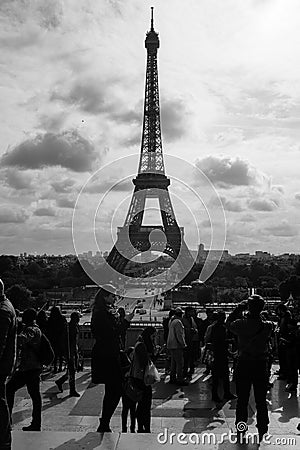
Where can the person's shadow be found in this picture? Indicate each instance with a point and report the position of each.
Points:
(287, 405)
(92, 440)
(52, 395)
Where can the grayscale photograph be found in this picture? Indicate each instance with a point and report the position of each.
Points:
(149, 224)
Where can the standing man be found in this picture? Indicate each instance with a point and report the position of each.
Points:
(8, 334)
(176, 345)
(219, 370)
(252, 366)
(73, 334)
(29, 368)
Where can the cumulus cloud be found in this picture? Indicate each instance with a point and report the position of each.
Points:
(63, 187)
(96, 96)
(231, 205)
(127, 116)
(65, 224)
(104, 185)
(278, 189)
(68, 149)
(46, 14)
(283, 229)
(65, 203)
(297, 196)
(50, 13)
(52, 123)
(88, 95)
(173, 114)
(262, 204)
(17, 180)
(41, 212)
(132, 140)
(12, 215)
(206, 223)
(229, 172)
(15, 41)
(247, 218)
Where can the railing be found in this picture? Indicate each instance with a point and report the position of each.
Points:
(86, 340)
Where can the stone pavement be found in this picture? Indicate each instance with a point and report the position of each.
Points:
(70, 423)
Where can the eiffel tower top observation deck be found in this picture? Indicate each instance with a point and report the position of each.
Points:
(151, 159)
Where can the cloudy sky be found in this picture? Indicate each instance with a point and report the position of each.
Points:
(72, 84)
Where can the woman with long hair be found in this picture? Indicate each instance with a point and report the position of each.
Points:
(144, 353)
(106, 361)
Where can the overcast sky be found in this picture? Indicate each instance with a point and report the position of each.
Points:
(72, 85)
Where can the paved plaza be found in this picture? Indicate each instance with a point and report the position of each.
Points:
(70, 423)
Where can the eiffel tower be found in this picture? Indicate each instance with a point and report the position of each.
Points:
(151, 182)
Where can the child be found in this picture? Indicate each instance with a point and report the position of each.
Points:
(127, 403)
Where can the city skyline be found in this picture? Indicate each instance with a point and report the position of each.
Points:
(93, 253)
(229, 88)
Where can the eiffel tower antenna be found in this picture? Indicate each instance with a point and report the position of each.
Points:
(151, 182)
(152, 21)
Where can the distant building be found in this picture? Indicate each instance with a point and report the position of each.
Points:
(262, 255)
(213, 254)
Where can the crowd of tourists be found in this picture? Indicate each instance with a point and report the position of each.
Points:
(28, 342)
(246, 338)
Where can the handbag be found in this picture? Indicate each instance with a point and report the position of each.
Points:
(151, 375)
(131, 390)
(132, 386)
(208, 357)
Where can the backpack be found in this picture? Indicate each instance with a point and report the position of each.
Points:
(45, 352)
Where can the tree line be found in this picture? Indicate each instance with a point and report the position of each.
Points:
(26, 278)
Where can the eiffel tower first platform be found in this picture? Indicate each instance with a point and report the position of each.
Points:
(151, 182)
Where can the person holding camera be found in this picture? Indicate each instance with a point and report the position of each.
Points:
(252, 365)
(125, 320)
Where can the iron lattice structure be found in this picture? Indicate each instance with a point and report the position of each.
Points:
(151, 182)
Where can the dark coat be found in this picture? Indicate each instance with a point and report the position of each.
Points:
(73, 335)
(8, 336)
(106, 330)
(218, 339)
(58, 335)
(29, 342)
